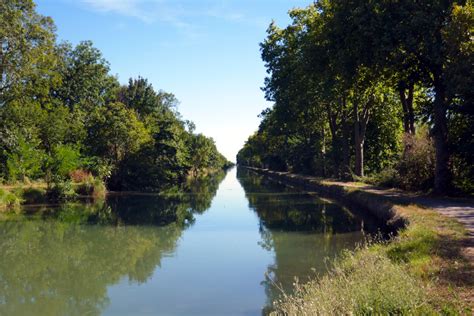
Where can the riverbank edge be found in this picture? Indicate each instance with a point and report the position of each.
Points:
(429, 245)
(33, 194)
(379, 207)
(12, 196)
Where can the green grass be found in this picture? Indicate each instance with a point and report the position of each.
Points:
(421, 271)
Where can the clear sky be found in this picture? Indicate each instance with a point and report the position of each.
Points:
(206, 52)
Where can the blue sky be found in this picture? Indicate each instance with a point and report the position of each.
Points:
(206, 52)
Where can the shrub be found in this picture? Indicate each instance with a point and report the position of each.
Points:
(92, 187)
(99, 189)
(417, 164)
(360, 283)
(60, 191)
(63, 160)
(8, 199)
(80, 176)
(386, 178)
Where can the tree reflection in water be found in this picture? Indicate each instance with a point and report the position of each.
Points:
(302, 230)
(61, 261)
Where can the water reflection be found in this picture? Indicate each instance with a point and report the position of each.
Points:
(302, 231)
(171, 253)
(286, 209)
(54, 268)
(55, 262)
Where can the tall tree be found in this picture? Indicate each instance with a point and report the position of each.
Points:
(27, 51)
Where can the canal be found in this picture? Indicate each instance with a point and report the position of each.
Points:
(222, 246)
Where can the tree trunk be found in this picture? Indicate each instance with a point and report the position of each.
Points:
(360, 126)
(358, 145)
(440, 135)
(411, 114)
(323, 150)
(407, 106)
(346, 152)
(359, 156)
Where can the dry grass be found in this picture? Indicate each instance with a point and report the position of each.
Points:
(360, 283)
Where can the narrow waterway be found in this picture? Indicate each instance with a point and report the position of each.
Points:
(218, 248)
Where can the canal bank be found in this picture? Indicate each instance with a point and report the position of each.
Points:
(433, 249)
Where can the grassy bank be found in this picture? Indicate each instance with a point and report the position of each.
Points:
(13, 196)
(420, 271)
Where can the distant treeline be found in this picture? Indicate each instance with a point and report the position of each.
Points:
(378, 88)
(61, 112)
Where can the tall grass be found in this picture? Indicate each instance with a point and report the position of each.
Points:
(8, 199)
(360, 283)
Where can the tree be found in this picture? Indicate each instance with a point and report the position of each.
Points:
(115, 131)
(140, 96)
(340, 64)
(24, 161)
(27, 51)
(419, 41)
(86, 82)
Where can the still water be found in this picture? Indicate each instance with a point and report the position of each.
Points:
(216, 248)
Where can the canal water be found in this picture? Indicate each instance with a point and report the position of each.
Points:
(222, 246)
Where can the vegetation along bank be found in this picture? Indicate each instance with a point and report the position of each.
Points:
(69, 127)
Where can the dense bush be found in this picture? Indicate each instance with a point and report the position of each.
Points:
(91, 187)
(61, 191)
(8, 199)
(417, 164)
(80, 176)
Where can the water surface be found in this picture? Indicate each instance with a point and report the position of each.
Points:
(216, 248)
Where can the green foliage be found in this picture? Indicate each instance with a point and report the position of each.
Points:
(27, 57)
(141, 96)
(61, 110)
(63, 160)
(349, 78)
(61, 191)
(8, 199)
(114, 131)
(32, 195)
(24, 161)
(86, 82)
(91, 187)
